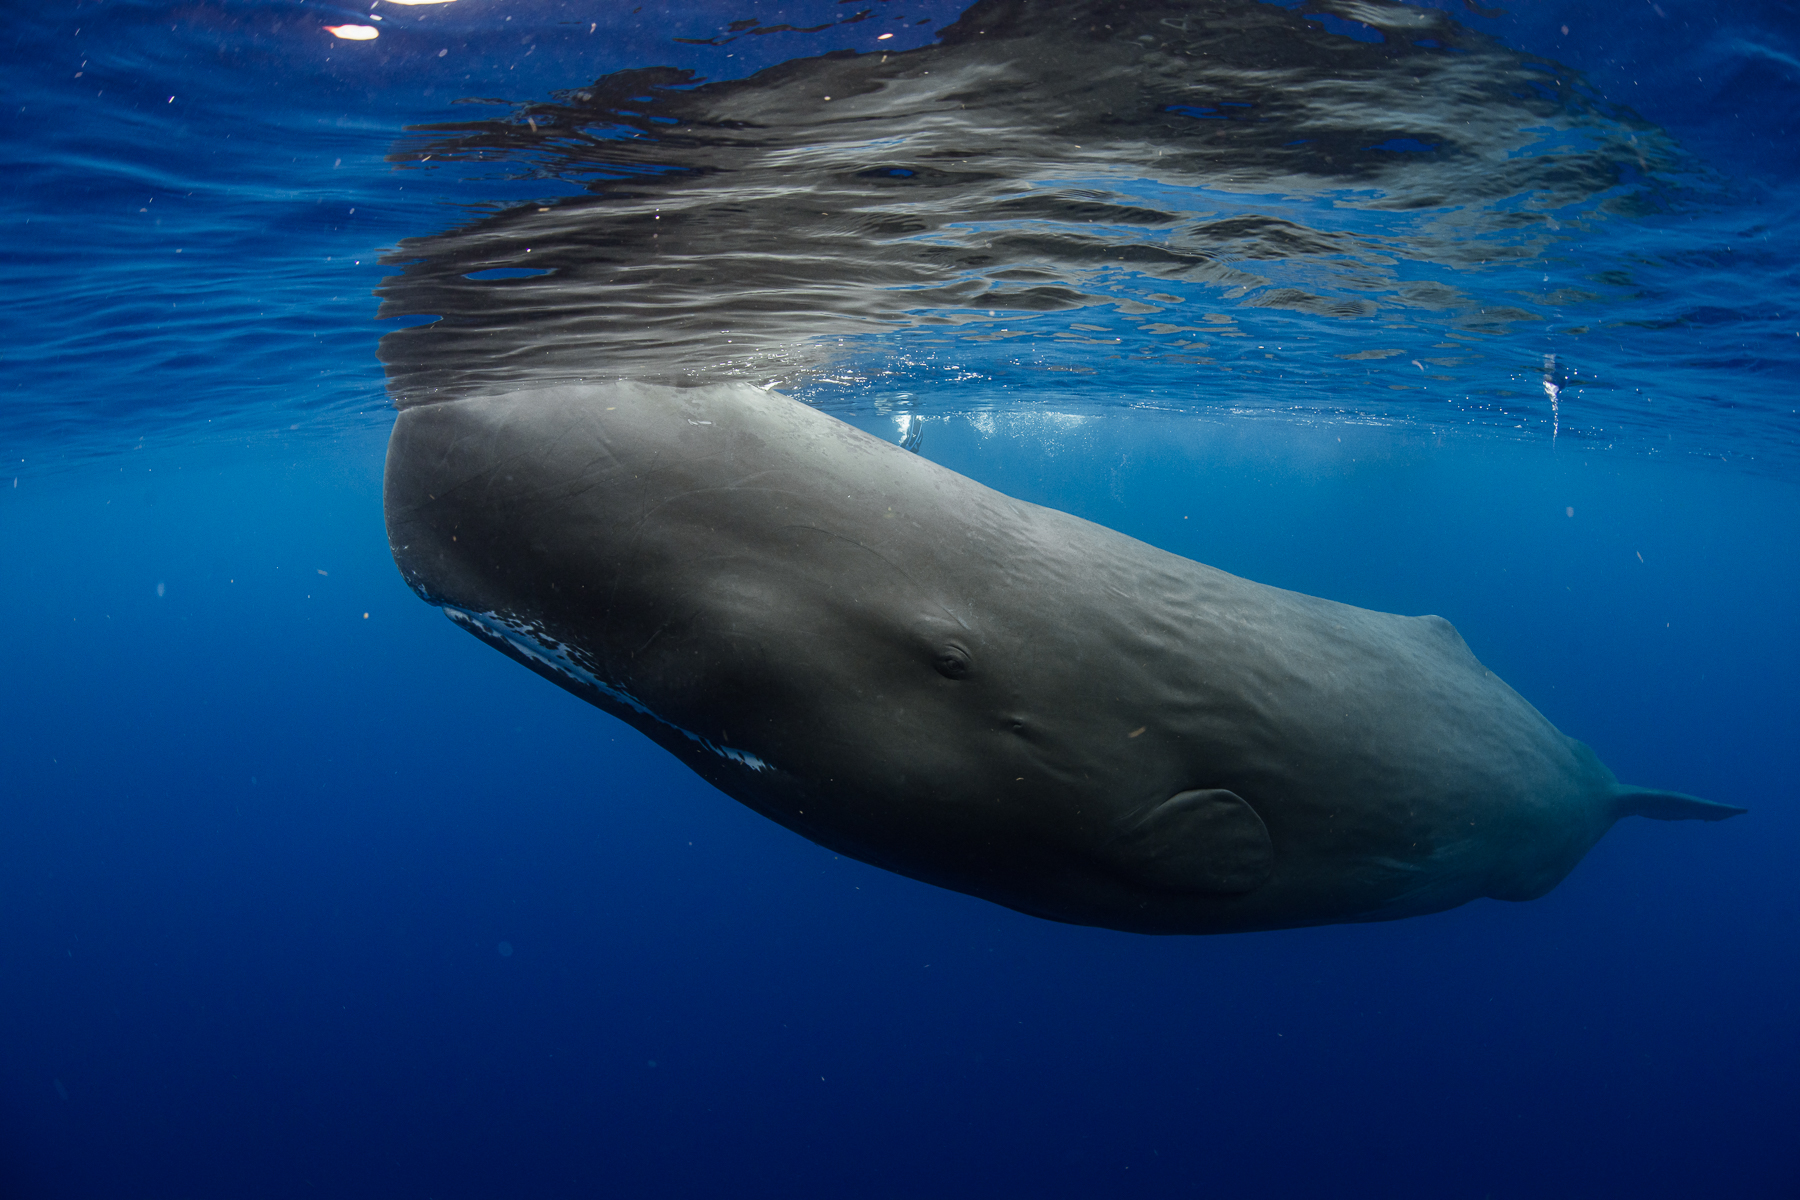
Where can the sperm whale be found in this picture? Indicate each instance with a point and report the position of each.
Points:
(914, 669)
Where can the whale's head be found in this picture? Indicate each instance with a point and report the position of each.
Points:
(862, 645)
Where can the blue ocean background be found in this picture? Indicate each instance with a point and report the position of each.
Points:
(305, 892)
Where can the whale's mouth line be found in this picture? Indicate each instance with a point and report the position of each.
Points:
(531, 641)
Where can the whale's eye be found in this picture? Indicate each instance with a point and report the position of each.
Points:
(952, 662)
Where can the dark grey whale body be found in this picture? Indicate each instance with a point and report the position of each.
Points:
(918, 671)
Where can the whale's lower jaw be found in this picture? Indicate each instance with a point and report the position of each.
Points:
(522, 640)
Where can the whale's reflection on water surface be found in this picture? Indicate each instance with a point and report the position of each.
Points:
(1241, 204)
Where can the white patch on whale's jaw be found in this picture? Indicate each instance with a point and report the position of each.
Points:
(531, 641)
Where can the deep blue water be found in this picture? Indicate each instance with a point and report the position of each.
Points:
(308, 893)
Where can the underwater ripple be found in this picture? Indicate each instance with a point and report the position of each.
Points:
(1383, 215)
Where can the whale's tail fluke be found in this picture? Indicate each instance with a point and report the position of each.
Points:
(1668, 806)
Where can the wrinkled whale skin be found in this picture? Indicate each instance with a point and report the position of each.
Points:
(913, 669)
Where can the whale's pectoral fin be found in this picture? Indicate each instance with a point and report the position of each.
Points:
(1200, 841)
(1669, 806)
